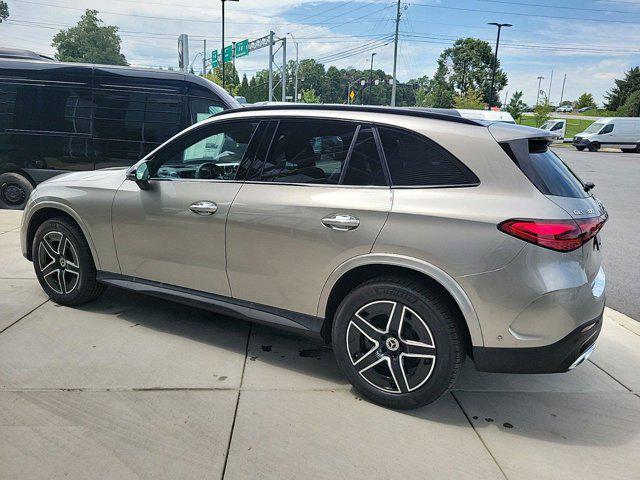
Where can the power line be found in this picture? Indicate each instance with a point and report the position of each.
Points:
(561, 7)
(497, 12)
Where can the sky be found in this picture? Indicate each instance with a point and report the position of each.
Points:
(592, 42)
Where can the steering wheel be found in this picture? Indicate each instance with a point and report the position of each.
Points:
(209, 170)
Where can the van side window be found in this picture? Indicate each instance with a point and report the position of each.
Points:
(162, 117)
(53, 108)
(119, 115)
(608, 128)
(202, 108)
(557, 126)
(417, 161)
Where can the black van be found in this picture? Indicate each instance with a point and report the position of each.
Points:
(57, 117)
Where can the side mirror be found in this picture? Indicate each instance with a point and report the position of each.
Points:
(140, 175)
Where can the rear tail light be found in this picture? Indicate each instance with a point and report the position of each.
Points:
(559, 235)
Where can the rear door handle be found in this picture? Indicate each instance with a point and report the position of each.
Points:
(340, 222)
(204, 207)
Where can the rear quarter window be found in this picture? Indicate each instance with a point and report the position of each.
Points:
(415, 161)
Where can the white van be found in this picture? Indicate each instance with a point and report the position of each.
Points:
(557, 126)
(612, 132)
(489, 115)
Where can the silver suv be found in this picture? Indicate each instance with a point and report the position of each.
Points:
(406, 239)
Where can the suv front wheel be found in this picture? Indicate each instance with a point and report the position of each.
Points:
(397, 342)
(63, 263)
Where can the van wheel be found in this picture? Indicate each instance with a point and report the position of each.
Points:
(398, 343)
(63, 263)
(14, 191)
(594, 146)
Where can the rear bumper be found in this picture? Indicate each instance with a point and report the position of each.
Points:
(561, 356)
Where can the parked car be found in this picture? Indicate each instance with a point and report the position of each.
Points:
(557, 126)
(406, 239)
(57, 117)
(565, 108)
(612, 132)
(489, 115)
(585, 109)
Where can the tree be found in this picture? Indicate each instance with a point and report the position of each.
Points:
(232, 80)
(309, 96)
(471, 100)
(631, 107)
(623, 88)
(467, 65)
(89, 42)
(516, 106)
(542, 113)
(585, 100)
(4, 11)
(244, 89)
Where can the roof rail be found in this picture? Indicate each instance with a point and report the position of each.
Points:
(426, 113)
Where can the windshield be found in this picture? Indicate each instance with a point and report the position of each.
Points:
(547, 125)
(594, 127)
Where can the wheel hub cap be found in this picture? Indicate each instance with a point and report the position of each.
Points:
(58, 263)
(13, 194)
(391, 346)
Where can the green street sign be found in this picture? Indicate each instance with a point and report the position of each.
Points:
(214, 59)
(227, 54)
(242, 48)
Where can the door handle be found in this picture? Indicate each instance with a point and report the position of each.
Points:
(203, 207)
(340, 222)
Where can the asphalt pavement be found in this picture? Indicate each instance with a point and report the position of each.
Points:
(617, 179)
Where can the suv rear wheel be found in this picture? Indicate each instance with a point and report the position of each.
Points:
(63, 263)
(397, 342)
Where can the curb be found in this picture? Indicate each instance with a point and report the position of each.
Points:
(623, 320)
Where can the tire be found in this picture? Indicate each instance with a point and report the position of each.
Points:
(580, 149)
(14, 191)
(383, 367)
(594, 146)
(63, 263)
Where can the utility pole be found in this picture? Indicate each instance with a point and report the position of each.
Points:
(495, 58)
(284, 69)
(395, 58)
(562, 91)
(506, 96)
(295, 85)
(371, 78)
(233, 56)
(270, 98)
(549, 92)
(222, 50)
(204, 57)
(540, 78)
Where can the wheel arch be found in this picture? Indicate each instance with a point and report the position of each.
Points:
(359, 269)
(47, 210)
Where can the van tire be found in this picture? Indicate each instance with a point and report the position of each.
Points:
(594, 146)
(14, 191)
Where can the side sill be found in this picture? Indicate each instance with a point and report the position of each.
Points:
(253, 312)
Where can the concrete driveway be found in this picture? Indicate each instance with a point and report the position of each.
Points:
(136, 387)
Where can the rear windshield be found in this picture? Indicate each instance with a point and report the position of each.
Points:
(545, 170)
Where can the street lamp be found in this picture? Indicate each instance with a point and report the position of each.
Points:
(370, 78)
(222, 51)
(297, 65)
(495, 58)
